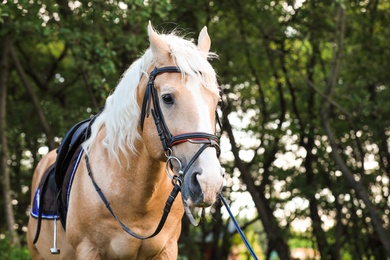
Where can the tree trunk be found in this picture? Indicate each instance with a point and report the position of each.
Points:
(347, 173)
(6, 179)
(276, 240)
(40, 113)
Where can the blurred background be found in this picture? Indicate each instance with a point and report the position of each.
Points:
(305, 114)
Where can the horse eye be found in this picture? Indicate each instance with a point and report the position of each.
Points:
(168, 99)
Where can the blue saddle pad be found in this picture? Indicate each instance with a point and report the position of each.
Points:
(45, 198)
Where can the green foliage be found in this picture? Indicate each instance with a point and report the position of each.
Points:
(11, 252)
(275, 59)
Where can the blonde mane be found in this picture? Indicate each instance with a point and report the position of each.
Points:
(121, 113)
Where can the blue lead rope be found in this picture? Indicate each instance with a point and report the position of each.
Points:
(238, 228)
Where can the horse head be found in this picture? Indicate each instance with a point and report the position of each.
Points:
(181, 92)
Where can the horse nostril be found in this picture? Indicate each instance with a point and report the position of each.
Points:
(199, 188)
(196, 189)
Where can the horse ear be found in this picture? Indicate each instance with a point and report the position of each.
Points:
(159, 48)
(204, 42)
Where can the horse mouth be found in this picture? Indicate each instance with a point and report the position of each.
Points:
(194, 199)
(191, 211)
(198, 202)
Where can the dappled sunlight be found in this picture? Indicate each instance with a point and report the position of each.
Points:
(305, 136)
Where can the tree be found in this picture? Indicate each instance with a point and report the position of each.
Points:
(6, 182)
(64, 58)
(305, 90)
(276, 64)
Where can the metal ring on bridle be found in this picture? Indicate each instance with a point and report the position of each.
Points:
(177, 180)
(167, 166)
(168, 152)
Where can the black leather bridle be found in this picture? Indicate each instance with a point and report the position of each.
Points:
(168, 141)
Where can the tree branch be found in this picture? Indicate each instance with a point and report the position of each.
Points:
(347, 173)
(34, 98)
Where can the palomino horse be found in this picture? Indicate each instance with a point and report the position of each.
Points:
(129, 154)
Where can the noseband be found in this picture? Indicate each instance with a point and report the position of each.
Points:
(168, 141)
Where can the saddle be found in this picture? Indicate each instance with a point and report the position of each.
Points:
(51, 196)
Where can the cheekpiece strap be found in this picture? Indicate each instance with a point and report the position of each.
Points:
(151, 93)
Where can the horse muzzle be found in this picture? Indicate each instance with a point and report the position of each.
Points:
(200, 188)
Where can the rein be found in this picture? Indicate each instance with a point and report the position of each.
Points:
(168, 141)
(239, 230)
(167, 208)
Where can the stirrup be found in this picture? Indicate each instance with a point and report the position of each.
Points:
(54, 250)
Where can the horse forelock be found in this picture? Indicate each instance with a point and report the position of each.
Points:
(121, 113)
(191, 62)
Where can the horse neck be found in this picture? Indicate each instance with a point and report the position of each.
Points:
(138, 177)
(148, 172)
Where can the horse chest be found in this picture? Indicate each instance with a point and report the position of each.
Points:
(123, 247)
